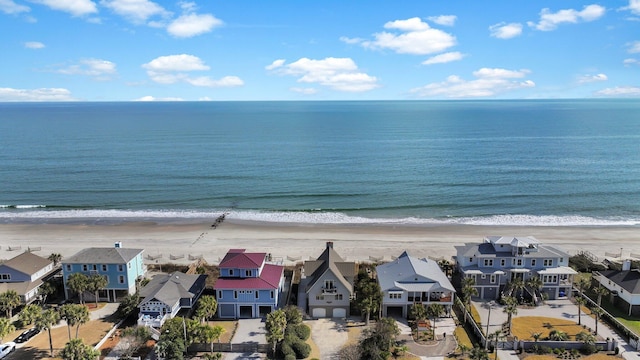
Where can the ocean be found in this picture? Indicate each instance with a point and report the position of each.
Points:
(511, 162)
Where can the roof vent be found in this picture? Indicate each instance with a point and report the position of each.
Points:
(118, 244)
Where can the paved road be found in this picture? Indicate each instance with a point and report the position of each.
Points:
(248, 331)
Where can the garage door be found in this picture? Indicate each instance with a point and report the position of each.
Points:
(319, 313)
(339, 313)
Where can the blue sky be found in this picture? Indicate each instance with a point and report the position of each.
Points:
(141, 50)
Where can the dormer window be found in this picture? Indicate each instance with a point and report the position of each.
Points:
(247, 273)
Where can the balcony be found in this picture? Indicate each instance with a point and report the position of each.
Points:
(150, 321)
(329, 291)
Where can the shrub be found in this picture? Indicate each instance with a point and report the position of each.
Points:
(290, 357)
(300, 331)
(302, 349)
(616, 350)
(286, 350)
(589, 349)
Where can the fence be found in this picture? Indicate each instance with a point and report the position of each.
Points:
(620, 327)
(230, 347)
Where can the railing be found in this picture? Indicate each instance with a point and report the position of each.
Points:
(329, 291)
(154, 322)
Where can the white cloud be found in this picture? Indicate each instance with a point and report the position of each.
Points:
(304, 91)
(348, 40)
(588, 78)
(10, 7)
(550, 21)
(446, 20)
(340, 74)
(227, 81)
(634, 47)
(414, 37)
(42, 94)
(74, 7)
(634, 7)
(97, 68)
(505, 31)
(33, 45)
(620, 91)
(631, 61)
(176, 68)
(489, 82)
(189, 25)
(151, 98)
(275, 64)
(136, 11)
(182, 62)
(444, 58)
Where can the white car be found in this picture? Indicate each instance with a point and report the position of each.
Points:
(6, 349)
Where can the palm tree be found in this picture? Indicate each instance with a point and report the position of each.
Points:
(95, 283)
(207, 307)
(74, 315)
(478, 353)
(275, 325)
(582, 284)
(586, 337)
(463, 349)
(6, 328)
(435, 310)
(518, 286)
(580, 301)
(418, 313)
(535, 284)
(558, 335)
(446, 266)
(55, 258)
(46, 320)
(511, 309)
(468, 290)
(76, 349)
(600, 291)
(496, 337)
(29, 314)
(211, 333)
(9, 300)
(78, 283)
(536, 336)
(45, 290)
(597, 311)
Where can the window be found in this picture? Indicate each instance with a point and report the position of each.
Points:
(533, 262)
(120, 267)
(257, 294)
(395, 295)
(470, 259)
(273, 295)
(518, 262)
(5, 276)
(488, 262)
(319, 297)
(104, 267)
(129, 265)
(94, 267)
(68, 267)
(547, 262)
(219, 294)
(121, 279)
(230, 272)
(339, 297)
(503, 262)
(235, 294)
(247, 273)
(85, 267)
(483, 276)
(492, 279)
(550, 279)
(328, 284)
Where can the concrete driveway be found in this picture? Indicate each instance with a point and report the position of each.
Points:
(248, 331)
(329, 335)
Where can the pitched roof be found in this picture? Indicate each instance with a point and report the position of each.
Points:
(269, 279)
(627, 279)
(409, 273)
(103, 256)
(27, 263)
(170, 288)
(239, 259)
(329, 260)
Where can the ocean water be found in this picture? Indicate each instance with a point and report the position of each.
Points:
(534, 162)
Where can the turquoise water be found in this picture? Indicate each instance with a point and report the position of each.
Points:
(564, 162)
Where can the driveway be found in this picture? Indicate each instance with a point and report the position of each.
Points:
(445, 345)
(329, 335)
(248, 331)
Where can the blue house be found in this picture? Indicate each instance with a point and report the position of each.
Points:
(249, 285)
(122, 267)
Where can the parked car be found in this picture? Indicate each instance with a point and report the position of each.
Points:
(6, 349)
(26, 335)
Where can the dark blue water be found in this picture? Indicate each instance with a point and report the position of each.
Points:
(480, 162)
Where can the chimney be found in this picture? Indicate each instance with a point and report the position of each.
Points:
(118, 244)
(626, 265)
(329, 244)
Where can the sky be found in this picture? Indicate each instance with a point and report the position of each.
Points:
(142, 50)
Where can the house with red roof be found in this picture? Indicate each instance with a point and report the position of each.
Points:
(249, 286)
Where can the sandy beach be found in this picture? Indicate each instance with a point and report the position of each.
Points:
(182, 242)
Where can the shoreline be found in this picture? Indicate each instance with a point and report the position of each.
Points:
(182, 241)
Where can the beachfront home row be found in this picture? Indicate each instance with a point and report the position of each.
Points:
(623, 286)
(499, 260)
(122, 267)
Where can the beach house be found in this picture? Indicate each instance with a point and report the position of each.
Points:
(407, 281)
(623, 286)
(122, 267)
(249, 286)
(327, 285)
(499, 260)
(25, 274)
(166, 294)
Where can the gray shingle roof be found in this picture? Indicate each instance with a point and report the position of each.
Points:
(406, 271)
(170, 288)
(628, 279)
(329, 260)
(103, 256)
